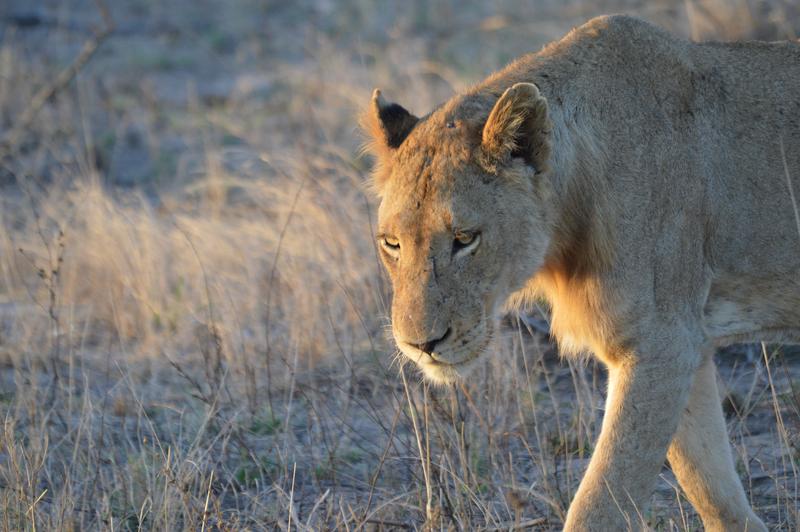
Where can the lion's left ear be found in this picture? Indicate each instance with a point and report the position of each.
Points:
(518, 126)
(387, 124)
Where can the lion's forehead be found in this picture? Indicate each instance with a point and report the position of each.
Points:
(444, 140)
(412, 210)
(435, 206)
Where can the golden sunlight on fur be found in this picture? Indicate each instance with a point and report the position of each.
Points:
(638, 183)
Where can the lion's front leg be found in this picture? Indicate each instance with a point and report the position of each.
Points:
(647, 393)
(700, 456)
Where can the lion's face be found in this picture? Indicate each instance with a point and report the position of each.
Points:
(456, 238)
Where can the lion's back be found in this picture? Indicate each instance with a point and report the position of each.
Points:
(701, 148)
(720, 123)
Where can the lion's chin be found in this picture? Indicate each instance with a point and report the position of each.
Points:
(443, 373)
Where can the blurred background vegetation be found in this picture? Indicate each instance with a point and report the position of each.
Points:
(192, 313)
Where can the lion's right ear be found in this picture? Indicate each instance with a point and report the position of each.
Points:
(386, 124)
(518, 126)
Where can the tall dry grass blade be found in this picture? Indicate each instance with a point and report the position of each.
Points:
(423, 456)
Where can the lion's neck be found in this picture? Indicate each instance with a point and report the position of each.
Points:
(581, 245)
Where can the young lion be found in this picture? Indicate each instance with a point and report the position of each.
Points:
(643, 185)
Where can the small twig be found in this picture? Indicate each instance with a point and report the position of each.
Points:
(208, 497)
(791, 188)
(213, 368)
(291, 497)
(392, 524)
(13, 136)
(200, 392)
(530, 523)
(377, 473)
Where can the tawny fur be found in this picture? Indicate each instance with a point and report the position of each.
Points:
(641, 184)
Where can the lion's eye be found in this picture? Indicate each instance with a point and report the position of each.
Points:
(391, 245)
(465, 241)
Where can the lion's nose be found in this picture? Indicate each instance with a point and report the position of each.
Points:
(427, 347)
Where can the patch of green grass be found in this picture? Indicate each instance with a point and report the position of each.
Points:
(221, 42)
(160, 60)
(249, 473)
(265, 426)
(353, 456)
(229, 139)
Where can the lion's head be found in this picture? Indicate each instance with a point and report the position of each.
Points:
(464, 219)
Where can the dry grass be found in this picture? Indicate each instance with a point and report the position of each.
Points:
(192, 315)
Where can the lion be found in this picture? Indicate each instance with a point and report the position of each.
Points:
(641, 184)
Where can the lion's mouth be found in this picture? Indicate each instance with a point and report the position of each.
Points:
(454, 355)
(441, 357)
(436, 358)
(442, 367)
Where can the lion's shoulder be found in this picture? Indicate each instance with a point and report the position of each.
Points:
(622, 33)
(622, 24)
